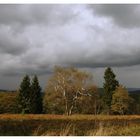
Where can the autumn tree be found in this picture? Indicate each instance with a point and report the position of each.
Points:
(24, 95)
(35, 97)
(68, 84)
(89, 104)
(121, 101)
(109, 86)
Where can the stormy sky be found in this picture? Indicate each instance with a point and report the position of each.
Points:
(34, 38)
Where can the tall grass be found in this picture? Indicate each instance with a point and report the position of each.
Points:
(66, 130)
(75, 125)
(115, 131)
(70, 130)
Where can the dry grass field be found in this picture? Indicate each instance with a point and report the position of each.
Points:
(75, 125)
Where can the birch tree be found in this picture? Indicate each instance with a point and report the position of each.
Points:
(70, 84)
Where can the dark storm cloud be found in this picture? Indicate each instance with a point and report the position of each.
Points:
(26, 15)
(67, 35)
(11, 43)
(20, 45)
(125, 15)
(35, 38)
(105, 58)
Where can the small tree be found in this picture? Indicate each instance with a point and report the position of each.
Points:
(35, 97)
(24, 95)
(110, 85)
(121, 101)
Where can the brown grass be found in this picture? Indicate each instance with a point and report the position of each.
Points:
(72, 117)
(131, 130)
(75, 125)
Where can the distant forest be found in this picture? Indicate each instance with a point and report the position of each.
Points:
(71, 91)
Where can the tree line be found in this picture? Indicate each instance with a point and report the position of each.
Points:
(71, 91)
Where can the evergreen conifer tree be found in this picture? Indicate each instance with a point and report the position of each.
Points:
(110, 86)
(35, 97)
(24, 95)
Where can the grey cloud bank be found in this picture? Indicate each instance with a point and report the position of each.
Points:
(35, 38)
(125, 15)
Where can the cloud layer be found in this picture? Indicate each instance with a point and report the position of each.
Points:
(34, 38)
(125, 15)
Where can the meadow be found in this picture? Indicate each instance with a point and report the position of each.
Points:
(29, 112)
(74, 125)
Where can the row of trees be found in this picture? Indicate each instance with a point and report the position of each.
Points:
(70, 90)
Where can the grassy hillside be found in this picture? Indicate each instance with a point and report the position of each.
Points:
(57, 125)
